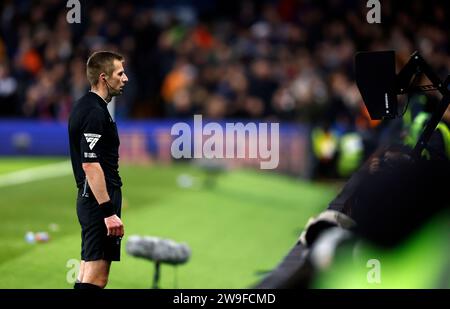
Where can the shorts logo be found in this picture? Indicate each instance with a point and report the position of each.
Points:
(92, 139)
(90, 155)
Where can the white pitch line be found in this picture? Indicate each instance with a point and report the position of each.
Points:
(36, 173)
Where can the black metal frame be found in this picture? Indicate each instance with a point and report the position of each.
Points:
(414, 66)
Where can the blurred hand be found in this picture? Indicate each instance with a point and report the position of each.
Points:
(374, 165)
(114, 226)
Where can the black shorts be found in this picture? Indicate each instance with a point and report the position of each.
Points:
(95, 244)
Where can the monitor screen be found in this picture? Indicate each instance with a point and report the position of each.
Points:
(375, 78)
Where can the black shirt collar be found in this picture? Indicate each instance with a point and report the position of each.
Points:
(101, 101)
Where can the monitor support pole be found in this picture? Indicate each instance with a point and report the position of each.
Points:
(417, 65)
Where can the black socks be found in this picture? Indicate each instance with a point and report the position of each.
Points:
(86, 286)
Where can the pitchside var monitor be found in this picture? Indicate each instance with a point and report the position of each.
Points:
(375, 77)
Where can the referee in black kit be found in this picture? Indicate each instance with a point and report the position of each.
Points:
(94, 150)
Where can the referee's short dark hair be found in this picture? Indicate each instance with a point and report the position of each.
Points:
(99, 62)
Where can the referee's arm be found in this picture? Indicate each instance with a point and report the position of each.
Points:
(96, 180)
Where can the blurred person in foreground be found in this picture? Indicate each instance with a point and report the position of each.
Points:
(388, 203)
(94, 150)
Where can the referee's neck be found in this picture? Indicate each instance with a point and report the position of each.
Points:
(100, 94)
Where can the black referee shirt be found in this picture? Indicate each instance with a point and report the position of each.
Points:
(93, 137)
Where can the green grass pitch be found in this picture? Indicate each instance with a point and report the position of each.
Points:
(238, 230)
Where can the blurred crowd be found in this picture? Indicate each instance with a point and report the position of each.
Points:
(287, 60)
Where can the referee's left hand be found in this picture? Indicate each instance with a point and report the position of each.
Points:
(114, 226)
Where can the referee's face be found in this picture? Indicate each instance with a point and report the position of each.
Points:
(118, 79)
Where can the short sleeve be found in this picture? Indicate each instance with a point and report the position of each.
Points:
(91, 137)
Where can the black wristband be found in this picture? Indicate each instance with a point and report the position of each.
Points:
(107, 209)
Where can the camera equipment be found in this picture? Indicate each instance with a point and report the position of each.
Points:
(379, 87)
(158, 250)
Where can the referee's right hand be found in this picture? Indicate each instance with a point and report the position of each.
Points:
(114, 226)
